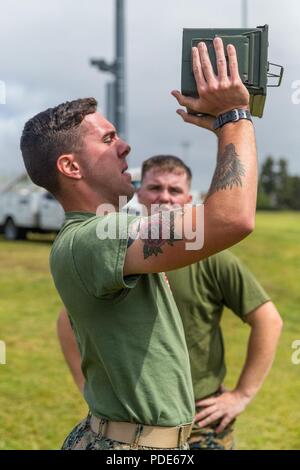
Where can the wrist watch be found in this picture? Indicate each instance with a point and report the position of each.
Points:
(231, 116)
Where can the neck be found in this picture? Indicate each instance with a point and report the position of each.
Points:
(78, 202)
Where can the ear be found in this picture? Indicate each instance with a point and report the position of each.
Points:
(68, 166)
(190, 198)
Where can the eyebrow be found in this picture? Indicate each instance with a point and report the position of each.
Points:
(158, 185)
(109, 134)
(153, 185)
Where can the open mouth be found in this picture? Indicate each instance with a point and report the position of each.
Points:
(124, 171)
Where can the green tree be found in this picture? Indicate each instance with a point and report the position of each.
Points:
(295, 192)
(268, 176)
(267, 185)
(277, 190)
(283, 186)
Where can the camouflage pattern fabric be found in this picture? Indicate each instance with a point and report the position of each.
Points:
(207, 439)
(83, 438)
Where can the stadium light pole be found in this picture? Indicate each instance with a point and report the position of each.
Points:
(244, 13)
(115, 91)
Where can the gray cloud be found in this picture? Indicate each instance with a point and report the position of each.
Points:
(45, 61)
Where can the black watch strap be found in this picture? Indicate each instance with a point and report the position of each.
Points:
(232, 116)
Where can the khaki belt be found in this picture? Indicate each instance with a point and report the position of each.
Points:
(140, 434)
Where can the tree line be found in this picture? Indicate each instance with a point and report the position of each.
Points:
(277, 189)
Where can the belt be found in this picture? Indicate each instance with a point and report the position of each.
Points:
(140, 434)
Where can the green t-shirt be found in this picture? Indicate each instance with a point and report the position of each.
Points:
(201, 291)
(129, 331)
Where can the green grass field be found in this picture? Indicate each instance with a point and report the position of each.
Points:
(39, 403)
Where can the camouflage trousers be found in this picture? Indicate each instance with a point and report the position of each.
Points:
(207, 439)
(82, 437)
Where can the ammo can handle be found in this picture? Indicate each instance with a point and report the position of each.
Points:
(275, 75)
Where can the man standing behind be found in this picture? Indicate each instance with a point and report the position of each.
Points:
(134, 356)
(201, 291)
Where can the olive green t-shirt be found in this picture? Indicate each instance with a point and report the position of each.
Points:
(129, 331)
(201, 291)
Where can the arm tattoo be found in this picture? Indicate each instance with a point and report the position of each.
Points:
(228, 172)
(155, 231)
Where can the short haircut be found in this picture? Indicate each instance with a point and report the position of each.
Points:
(168, 163)
(50, 134)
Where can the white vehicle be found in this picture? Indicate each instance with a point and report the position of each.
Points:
(25, 207)
(133, 207)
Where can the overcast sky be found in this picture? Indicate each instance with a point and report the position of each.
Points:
(44, 60)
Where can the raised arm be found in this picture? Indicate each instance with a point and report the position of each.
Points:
(229, 209)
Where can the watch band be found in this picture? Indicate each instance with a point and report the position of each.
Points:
(232, 116)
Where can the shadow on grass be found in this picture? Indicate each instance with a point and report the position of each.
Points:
(33, 238)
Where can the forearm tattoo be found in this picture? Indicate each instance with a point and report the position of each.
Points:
(155, 232)
(229, 171)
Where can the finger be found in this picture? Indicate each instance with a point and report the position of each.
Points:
(211, 419)
(204, 121)
(221, 60)
(233, 63)
(206, 402)
(205, 413)
(187, 101)
(197, 70)
(224, 423)
(207, 69)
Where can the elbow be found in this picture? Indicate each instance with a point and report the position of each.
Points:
(244, 227)
(248, 226)
(275, 321)
(278, 324)
(276, 327)
(60, 323)
(248, 219)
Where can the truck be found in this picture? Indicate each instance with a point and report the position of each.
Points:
(25, 207)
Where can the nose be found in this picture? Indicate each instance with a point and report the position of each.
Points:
(123, 148)
(164, 197)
